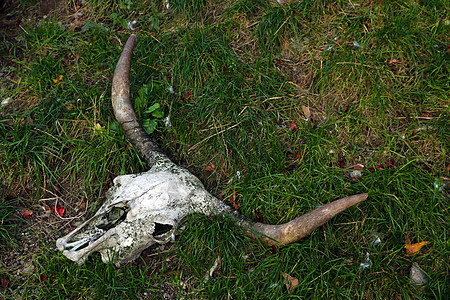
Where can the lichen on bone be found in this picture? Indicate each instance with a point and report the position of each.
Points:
(140, 210)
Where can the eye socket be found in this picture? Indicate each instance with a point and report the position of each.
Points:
(161, 229)
(113, 218)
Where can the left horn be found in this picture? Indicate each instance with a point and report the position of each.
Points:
(124, 111)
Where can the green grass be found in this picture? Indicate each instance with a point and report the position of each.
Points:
(241, 72)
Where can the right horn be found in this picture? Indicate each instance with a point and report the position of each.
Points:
(301, 226)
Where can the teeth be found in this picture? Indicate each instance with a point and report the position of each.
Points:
(77, 244)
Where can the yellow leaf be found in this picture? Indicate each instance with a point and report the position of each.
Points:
(98, 128)
(58, 80)
(291, 282)
(412, 249)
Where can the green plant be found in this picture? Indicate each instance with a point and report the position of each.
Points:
(153, 113)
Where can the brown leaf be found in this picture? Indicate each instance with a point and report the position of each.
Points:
(412, 249)
(447, 169)
(306, 111)
(291, 282)
(393, 61)
(233, 200)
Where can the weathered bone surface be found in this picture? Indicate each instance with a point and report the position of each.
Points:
(140, 210)
(145, 209)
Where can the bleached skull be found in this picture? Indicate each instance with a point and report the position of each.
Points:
(145, 209)
(140, 210)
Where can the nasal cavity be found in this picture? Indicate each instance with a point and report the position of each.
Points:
(161, 229)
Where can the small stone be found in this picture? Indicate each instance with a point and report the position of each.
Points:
(356, 174)
(417, 276)
(6, 101)
(28, 269)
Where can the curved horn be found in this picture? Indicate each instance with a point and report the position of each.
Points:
(124, 111)
(301, 226)
(281, 234)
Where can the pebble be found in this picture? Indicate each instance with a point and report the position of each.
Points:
(417, 276)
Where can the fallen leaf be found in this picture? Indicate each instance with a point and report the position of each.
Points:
(306, 112)
(292, 126)
(447, 169)
(412, 249)
(393, 61)
(24, 213)
(58, 209)
(45, 211)
(341, 160)
(233, 200)
(291, 282)
(98, 128)
(58, 80)
(4, 283)
(210, 168)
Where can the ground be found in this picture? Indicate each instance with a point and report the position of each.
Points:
(300, 118)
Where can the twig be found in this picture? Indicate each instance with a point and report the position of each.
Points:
(213, 135)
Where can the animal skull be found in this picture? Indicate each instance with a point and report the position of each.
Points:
(140, 210)
(145, 209)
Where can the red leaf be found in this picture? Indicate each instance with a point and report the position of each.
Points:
(293, 126)
(19, 20)
(4, 283)
(58, 209)
(24, 213)
(341, 160)
(389, 164)
(210, 168)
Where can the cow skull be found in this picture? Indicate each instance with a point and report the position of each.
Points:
(145, 209)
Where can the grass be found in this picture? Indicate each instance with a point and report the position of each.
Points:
(289, 97)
